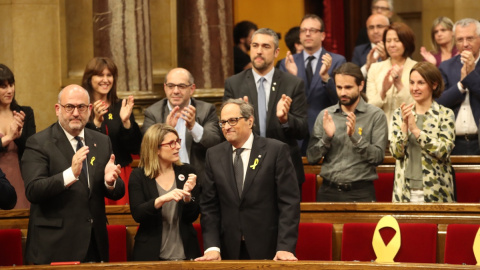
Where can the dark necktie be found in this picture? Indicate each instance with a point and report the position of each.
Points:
(238, 169)
(83, 175)
(262, 109)
(309, 70)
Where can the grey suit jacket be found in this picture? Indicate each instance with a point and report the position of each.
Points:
(243, 84)
(206, 116)
(63, 218)
(266, 214)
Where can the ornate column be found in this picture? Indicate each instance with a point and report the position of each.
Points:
(121, 30)
(205, 42)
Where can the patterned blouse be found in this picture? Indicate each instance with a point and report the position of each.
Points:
(436, 140)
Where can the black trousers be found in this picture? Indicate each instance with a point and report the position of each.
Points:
(366, 193)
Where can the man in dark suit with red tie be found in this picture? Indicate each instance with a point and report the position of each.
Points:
(250, 201)
(277, 97)
(68, 171)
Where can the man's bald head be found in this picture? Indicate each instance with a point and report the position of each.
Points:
(376, 25)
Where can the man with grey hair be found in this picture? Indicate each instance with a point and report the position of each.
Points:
(68, 171)
(250, 200)
(461, 75)
(196, 121)
(278, 97)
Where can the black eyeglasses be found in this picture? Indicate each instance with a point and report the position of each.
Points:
(70, 107)
(380, 8)
(378, 26)
(232, 121)
(173, 143)
(311, 30)
(171, 86)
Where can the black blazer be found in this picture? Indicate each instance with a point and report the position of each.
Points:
(124, 141)
(62, 218)
(8, 197)
(143, 192)
(243, 84)
(29, 129)
(268, 212)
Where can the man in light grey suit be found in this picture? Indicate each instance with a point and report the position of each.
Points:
(195, 121)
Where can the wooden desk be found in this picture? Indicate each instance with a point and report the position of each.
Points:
(245, 265)
(440, 214)
(335, 213)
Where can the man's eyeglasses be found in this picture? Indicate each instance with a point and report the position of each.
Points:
(232, 121)
(378, 26)
(468, 39)
(70, 107)
(173, 143)
(378, 8)
(311, 30)
(171, 86)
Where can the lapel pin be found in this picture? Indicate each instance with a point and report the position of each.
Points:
(359, 131)
(181, 177)
(273, 88)
(255, 163)
(259, 156)
(110, 116)
(92, 160)
(274, 83)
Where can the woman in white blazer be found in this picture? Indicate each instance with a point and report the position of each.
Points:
(388, 81)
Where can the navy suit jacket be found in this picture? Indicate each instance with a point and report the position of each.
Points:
(268, 211)
(63, 218)
(243, 84)
(452, 97)
(360, 53)
(319, 94)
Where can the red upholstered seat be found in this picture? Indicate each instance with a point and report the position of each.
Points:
(198, 228)
(459, 244)
(309, 188)
(466, 183)
(117, 242)
(314, 241)
(11, 247)
(418, 244)
(384, 187)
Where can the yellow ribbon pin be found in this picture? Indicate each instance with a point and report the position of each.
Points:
(255, 163)
(92, 160)
(359, 131)
(110, 116)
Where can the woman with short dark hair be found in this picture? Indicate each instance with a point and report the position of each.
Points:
(423, 135)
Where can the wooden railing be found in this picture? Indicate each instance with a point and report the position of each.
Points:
(246, 265)
(335, 213)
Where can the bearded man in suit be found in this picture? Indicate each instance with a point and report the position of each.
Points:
(277, 97)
